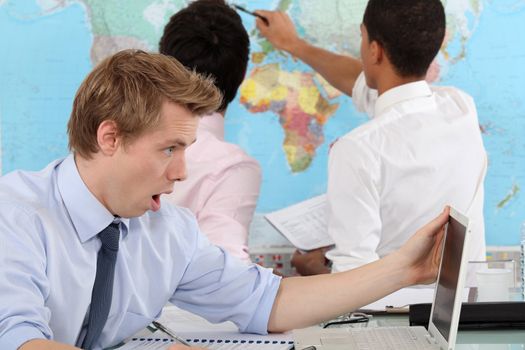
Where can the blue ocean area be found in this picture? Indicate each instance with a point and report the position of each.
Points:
(46, 59)
(493, 75)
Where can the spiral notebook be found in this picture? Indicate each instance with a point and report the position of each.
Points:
(240, 341)
(199, 332)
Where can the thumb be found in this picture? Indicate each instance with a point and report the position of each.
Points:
(435, 225)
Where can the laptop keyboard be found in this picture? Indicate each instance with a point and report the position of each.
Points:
(389, 338)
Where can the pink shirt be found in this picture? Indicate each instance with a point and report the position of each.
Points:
(221, 189)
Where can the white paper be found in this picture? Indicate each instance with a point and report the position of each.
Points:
(303, 224)
(265, 235)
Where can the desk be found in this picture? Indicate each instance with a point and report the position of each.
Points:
(185, 322)
(466, 340)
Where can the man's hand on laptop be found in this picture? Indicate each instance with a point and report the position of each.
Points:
(422, 252)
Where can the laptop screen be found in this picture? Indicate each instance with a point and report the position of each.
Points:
(449, 277)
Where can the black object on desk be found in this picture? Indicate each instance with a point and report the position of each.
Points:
(486, 315)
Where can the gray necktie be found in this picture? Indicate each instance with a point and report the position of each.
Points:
(103, 286)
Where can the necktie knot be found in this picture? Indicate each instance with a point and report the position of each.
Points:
(110, 237)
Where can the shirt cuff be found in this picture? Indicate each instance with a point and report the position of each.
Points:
(18, 335)
(259, 323)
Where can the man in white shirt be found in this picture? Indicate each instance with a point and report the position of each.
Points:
(422, 148)
(224, 181)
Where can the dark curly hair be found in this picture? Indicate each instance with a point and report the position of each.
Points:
(209, 37)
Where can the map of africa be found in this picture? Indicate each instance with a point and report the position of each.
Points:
(285, 114)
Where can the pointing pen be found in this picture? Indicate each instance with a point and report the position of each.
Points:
(240, 8)
(169, 332)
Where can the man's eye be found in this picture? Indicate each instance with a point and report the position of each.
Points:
(169, 151)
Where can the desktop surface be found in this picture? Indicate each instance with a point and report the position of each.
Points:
(184, 322)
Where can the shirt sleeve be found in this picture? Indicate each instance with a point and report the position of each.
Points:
(24, 286)
(363, 97)
(228, 211)
(354, 220)
(220, 288)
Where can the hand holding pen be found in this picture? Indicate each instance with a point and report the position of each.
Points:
(280, 31)
(264, 19)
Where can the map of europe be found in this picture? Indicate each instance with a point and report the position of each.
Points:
(285, 114)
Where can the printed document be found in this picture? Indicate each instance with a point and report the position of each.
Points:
(304, 224)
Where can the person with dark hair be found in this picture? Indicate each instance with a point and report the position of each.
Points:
(421, 149)
(208, 36)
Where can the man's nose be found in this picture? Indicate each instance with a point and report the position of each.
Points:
(177, 169)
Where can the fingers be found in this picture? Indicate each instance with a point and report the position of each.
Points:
(296, 255)
(437, 229)
(260, 23)
(422, 252)
(280, 30)
(277, 21)
(325, 249)
(436, 225)
(261, 26)
(438, 250)
(440, 238)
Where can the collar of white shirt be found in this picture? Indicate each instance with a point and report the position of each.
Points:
(401, 93)
(87, 214)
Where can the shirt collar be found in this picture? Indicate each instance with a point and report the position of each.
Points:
(87, 214)
(401, 93)
(214, 124)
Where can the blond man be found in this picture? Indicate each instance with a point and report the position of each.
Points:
(90, 255)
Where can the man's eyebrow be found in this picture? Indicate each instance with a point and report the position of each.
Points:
(180, 142)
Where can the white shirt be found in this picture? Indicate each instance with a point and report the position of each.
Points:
(387, 178)
(222, 187)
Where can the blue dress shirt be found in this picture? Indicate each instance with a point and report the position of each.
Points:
(48, 251)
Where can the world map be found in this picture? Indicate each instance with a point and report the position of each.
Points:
(285, 114)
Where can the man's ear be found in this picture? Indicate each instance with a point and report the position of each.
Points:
(108, 138)
(376, 52)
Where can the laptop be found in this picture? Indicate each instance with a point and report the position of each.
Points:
(444, 317)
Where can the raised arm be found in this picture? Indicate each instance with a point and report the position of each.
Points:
(341, 71)
(417, 261)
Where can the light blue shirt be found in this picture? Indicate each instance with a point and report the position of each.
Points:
(49, 221)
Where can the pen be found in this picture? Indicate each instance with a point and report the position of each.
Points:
(169, 332)
(390, 309)
(240, 8)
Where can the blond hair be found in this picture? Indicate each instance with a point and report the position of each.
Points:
(129, 89)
